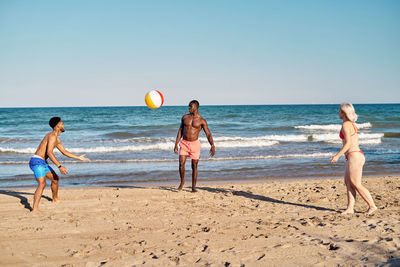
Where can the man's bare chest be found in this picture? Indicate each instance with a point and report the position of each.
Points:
(192, 123)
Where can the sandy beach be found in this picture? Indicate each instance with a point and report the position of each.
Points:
(263, 223)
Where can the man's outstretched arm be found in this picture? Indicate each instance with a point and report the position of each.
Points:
(69, 154)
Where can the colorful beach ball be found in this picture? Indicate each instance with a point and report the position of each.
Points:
(154, 99)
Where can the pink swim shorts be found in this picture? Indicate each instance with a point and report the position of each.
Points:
(190, 148)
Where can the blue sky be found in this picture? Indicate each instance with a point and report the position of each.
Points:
(110, 53)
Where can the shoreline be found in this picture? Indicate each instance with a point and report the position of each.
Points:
(272, 223)
(208, 181)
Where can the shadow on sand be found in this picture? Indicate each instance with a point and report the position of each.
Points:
(23, 200)
(262, 198)
(169, 188)
(116, 187)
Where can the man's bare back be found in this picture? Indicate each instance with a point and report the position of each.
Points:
(42, 148)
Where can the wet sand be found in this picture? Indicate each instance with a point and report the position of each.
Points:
(277, 223)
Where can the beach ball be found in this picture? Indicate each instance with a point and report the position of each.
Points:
(154, 99)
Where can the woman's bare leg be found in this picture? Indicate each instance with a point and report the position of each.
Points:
(356, 163)
(351, 192)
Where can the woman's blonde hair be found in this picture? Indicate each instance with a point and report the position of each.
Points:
(349, 111)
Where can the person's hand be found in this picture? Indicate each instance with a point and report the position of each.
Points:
(63, 170)
(82, 157)
(176, 149)
(212, 151)
(334, 159)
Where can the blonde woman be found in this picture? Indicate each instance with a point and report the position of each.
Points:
(354, 160)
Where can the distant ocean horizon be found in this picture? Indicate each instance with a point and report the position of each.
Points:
(130, 145)
(205, 105)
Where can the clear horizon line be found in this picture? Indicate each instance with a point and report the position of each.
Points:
(201, 105)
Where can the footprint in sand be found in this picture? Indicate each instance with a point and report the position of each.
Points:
(174, 259)
(332, 246)
(206, 229)
(153, 256)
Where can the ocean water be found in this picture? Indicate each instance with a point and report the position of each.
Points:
(130, 145)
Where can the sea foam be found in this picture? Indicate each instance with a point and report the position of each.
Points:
(331, 127)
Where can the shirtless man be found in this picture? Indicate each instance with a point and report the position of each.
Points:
(191, 125)
(41, 168)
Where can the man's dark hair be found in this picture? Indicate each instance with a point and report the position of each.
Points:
(54, 121)
(195, 102)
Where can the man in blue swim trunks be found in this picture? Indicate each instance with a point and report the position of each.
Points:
(42, 169)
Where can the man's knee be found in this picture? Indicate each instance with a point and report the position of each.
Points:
(182, 168)
(55, 176)
(52, 176)
(182, 159)
(194, 164)
(41, 182)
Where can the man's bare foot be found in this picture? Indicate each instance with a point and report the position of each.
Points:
(371, 210)
(180, 187)
(36, 211)
(56, 200)
(348, 211)
(194, 190)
